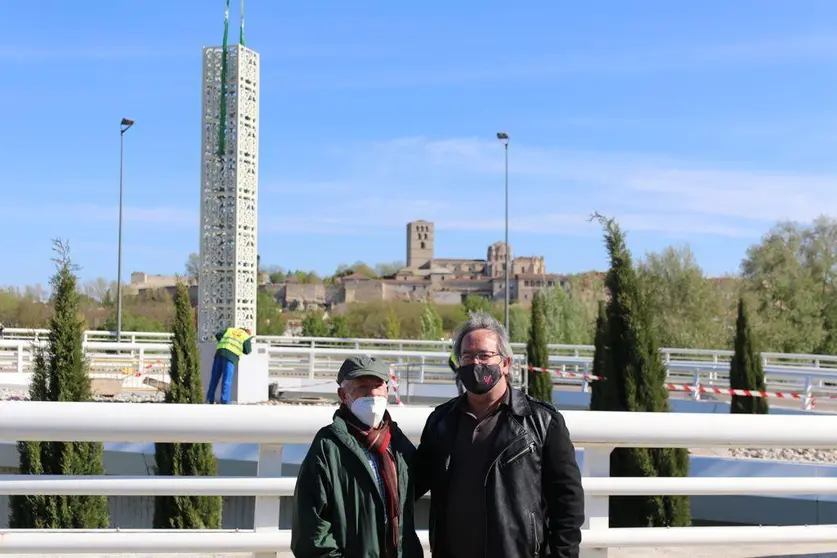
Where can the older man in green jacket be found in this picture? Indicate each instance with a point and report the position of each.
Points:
(354, 497)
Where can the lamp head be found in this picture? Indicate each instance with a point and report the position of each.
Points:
(503, 137)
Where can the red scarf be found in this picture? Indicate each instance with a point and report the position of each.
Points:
(377, 440)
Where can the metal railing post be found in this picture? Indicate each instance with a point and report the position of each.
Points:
(266, 512)
(20, 358)
(808, 400)
(585, 383)
(311, 364)
(696, 381)
(141, 362)
(596, 463)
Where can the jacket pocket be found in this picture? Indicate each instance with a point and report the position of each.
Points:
(518, 455)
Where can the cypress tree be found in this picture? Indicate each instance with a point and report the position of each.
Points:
(537, 352)
(746, 370)
(598, 389)
(61, 375)
(635, 382)
(185, 459)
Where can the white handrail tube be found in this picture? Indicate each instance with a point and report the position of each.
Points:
(272, 426)
(286, 424)
(117, 485)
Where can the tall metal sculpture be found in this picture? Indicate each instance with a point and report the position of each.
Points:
(229, 187)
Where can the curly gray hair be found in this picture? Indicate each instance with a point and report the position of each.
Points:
(483, 320)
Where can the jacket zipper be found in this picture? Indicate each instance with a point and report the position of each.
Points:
(496, 459)
(493, 463)
(535, 534)
(521, 453)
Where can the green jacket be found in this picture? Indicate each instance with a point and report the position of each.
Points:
(338, 509)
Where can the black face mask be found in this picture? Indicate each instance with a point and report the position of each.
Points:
(479, 378)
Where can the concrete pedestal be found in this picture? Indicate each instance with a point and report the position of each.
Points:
(250, 381)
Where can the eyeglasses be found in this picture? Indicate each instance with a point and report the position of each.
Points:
(482, 356)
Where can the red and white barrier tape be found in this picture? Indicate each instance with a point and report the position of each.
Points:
(127, 371)
(394, 385)
(682, 387)
(739, 392)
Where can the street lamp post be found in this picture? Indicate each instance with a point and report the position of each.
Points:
(504, 138)
(123, 127)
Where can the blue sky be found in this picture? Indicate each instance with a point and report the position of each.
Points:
(700, 123)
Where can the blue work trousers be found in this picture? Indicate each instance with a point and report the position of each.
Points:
(223, 370)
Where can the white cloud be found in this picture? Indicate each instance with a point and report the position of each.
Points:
(458, 183)
(375, 188)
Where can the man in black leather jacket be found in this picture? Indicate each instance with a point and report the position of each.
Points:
(500, 465)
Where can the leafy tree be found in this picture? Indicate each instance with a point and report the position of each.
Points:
(828, 344)
(476, 303)
(540, 382)
(431, 323)
(185, 459)
(358, 267)
(636, 382)
(99, 288)
(269, 317)
(565, 317)
(133, 322)
(787, 272)
(746, 370)
(304, 277)
(60, 374)
(313, 325)
(519, 323)
(369, 319)
(193, 266)
(388, 269)
(393, 324)
(689, 309)
(598, 389)
(339, 327)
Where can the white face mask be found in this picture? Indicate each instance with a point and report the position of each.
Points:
(369, 410)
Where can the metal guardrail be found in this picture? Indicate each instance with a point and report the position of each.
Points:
(133, 362)
(691, 355)
(273, 426)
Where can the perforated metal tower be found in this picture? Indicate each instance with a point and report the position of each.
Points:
(229, 190)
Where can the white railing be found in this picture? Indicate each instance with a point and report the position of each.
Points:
(419, 363)
(36, 334)
(130, 363)
(272, 426)
(715, 356)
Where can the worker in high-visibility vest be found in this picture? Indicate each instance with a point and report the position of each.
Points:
(232, 343)
(453, 362)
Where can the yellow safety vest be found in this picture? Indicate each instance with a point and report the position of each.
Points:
(233, 340)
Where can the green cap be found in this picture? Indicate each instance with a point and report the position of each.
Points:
(358, 366)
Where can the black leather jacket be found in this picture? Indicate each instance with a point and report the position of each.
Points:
(534, 498)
